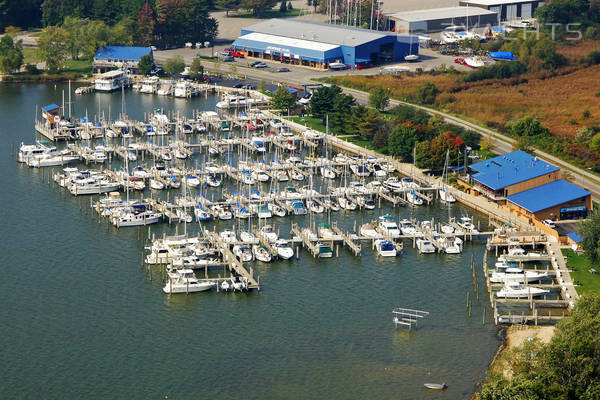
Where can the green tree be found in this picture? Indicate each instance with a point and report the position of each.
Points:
(146, 64)
(402, 140)
(357, 115)
(379, 99)
(227, 5)
(174, 65)
(342, 106)
(283, 6)
(380, 140)
(52, 44)
(289, 6)
(262, 86)
(11, 55)
(257, 7)
(321, 102)
(524, 143)
(196, 69)
(528, 126)
(283, 99)
(370, 124)
(595, 143)
(427, 93)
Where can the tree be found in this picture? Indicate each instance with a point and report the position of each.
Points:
(380, 139)
(370, 124)
(432, 154)
(52, 44)
(283, 99)
(524, 143)
(262, 86)
(146, 64)
(342, 105)
(402, 140)
(321, 102)
(174, 65)
(595, 143)
(227, 5)
(11, 55)
(379, 99)
(257, 7)
(196, 69)
(357, 115)
(283, 6)
(144, 26)
(528, 126)
(427, 93)
(289, 6)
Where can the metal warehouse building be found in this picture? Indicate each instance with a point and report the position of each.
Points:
(437, 19)
(506, 10)
(126, 57)
(317, 45)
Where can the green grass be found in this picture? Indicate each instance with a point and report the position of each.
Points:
(274, 13)
(311, 122)
(78, 66)
(30, 56)
(586, 281)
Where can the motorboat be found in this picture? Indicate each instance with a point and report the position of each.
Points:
(201, 214)
(474, 62)
(435, 386)
(263, 211)
(195, 261)
(243, 253)
(268, 232)
(451, 246)
(385, 248)
(515, 290)
(28, 150)
(393, 184)
(425, 246)
(93, 186)
(368, 230)
(284, 249)
(52, 159)
(260, 176)
(228, 237)
(407, 228)
(192, 181)
(277, 210)
(261, 254)
(467, 224)
(331, 205)
(241, 212)
(248, 237)
(140, 172)
(296, 176)
(324, 232)
(298, 207)
(360, 170)
(136, 183)
(136, 215)
(312, 134)
(315, 207)
(223, 212)
(447, 229)
(325, 250)
(184, 281)
(518, 275)
(213, 180)
(388, 226)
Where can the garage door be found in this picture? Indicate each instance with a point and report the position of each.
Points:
(526, 10)
(511, 12)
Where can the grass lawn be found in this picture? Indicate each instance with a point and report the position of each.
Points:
(311, 122)
(586, 281)
(80, 66)
(30, 56)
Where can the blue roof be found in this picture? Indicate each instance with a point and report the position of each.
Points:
(548, 195)
(122, 52)
(574, 236)
(509, 169)
(50, 107)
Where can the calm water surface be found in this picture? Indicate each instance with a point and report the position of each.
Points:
(80, 317)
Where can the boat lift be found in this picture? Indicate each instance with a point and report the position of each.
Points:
(407, 317)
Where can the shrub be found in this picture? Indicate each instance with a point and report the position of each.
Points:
(500, 70)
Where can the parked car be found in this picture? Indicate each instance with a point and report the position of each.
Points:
(228, 59)
(238, 85)
(284, 69)
(549, 223)
(188, 45)
(237, 54)
(249, 87)
(260, 65)
(198, 45)
(255, 63)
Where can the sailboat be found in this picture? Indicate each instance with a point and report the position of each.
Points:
(411, 57)
(445, 195)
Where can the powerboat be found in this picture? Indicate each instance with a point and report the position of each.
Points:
(243, 253)
(518, 275)
(261, 254)
(369, 231)
(409, 229)
(388, 226)
(425, 246)
(325, 250)
(385, 248)
(467, 224)
(324, 232)
(248, 237)
(515, 290)
(284, 249)
(184, 281)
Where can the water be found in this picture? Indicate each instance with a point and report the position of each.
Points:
(81, 318)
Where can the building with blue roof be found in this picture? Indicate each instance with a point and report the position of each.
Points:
(511, 173)
(123, 57)
(318, 45)
(558, 200)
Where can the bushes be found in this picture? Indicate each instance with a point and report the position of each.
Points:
(593, 58)
(500, 70)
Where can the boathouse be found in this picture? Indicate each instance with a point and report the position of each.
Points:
(507, 10)
(511, 173)
(558, 200)
(318, 45)
(50, 115)
(437, 19)
(109, 58)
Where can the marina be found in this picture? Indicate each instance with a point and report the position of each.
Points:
(293, 281)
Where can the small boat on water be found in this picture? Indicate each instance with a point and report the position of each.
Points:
(425, 246)
(436, 386)
(284, 249)
(515, 290)
(385, 248)
(184, 281)
(325, 250)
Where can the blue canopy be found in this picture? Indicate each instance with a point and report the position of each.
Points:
(502, 55)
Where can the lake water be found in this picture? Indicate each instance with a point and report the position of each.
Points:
(80, 317)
